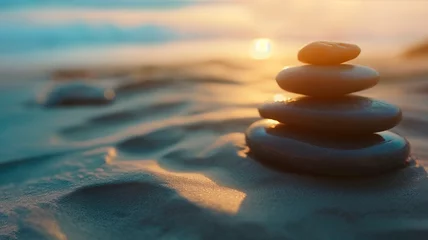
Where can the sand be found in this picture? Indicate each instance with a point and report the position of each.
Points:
(168, 160)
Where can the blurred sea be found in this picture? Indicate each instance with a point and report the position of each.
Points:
(55, 32)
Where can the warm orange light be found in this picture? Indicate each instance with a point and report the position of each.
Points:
(111, 155)
(282, 98)
(279, 98)
(195, 187)
(261, 48)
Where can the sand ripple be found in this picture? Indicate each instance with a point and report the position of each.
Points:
(168, 160)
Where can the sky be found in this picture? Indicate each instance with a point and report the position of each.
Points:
(19, 4)
(27, 26)
(400, 19)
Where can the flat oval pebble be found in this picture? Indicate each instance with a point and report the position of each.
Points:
(347, 114)
(285, 148)
(327, 81)
(328, 53)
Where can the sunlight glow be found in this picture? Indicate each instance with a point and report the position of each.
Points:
(261, 48)
(195, 187)
(110, 155)
(279, 98)
(47, 224)
(282, 98)
(272, 123)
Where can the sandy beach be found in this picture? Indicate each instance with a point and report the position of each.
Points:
(167, 159)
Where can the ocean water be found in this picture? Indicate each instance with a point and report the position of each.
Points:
(168, 159)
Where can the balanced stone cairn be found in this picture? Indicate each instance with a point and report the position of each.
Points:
(328, 132)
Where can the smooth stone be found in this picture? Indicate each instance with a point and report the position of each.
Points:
(347, 114)
(285, 148)
(77, 94)
(327, 81)
(328, 53)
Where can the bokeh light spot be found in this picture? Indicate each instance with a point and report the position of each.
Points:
(261, 48)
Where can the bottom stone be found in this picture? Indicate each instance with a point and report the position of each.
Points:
(282, 147)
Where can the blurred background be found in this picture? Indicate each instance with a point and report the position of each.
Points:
(59, 33)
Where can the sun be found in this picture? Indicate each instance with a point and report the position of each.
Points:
(261, 48)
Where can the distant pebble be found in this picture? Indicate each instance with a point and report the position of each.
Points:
(77, 94)
(286, 148)
(328, 53)
(348, 114)
(327, 81)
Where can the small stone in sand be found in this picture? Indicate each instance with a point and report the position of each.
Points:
(77, 94)
(327, 81)
(328, 53)
(284, 148)
(347, 114)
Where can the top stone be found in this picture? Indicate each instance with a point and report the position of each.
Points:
(328, 53)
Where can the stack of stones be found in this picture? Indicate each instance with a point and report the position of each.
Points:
(328, 131)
